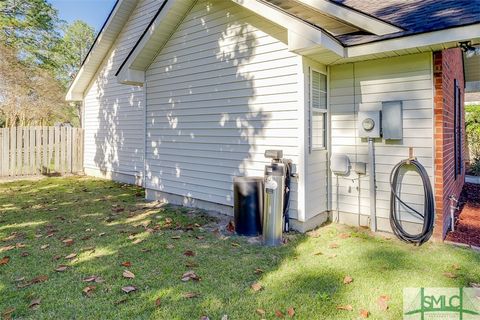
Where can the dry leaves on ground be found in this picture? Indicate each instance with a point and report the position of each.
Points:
(333, 246)
(68, 242)
(128, 274)
(190, 275)
(260, 312)
(129, 289)
(61, 268)
(158, 302)
(95, 279)
(291, 312)
(382, 302)
(71, 256)
(347, 280)
(126, 264)
(4, 260)
(88, 291)
(189, 253)
(364, 313)
(256, 287)
(347, 307)
(35, 304)
(279, 314)
(190, 295)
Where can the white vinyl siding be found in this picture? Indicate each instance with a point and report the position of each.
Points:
(223, 90)
(114, 113)
(407, 79)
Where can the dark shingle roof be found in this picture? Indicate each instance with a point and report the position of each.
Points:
(414, 16)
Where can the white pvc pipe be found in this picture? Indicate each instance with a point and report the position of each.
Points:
(373, 188)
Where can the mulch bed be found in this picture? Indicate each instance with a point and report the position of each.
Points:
(467, 227)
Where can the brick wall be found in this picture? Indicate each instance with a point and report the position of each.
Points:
(448, 66)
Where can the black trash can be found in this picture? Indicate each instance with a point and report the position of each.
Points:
(248, 205)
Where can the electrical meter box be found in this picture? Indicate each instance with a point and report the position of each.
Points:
(392, 120)
(369, 124)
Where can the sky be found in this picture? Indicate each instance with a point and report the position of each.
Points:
(93, 12)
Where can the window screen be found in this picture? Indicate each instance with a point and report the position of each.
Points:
(318, 125)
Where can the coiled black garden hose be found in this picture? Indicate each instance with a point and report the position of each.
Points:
(428, 215)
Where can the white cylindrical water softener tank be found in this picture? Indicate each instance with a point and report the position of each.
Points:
(274, 192)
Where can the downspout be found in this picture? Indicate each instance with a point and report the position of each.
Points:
(144, 178)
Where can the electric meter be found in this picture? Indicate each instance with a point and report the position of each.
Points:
(369, 125)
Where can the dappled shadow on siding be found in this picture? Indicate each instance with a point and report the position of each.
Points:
(210, 126)
(116, 150)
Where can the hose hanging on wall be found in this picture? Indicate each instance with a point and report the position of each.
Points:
(428, 212)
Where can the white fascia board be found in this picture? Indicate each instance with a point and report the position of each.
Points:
(131, 77)
(297, 29)
(126, 75)
(75, 93)
(355, 18)
(457, 34)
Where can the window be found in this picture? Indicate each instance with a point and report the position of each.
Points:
(457, 129)
(318, 111)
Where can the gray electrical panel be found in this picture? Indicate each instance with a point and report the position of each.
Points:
(392, 120)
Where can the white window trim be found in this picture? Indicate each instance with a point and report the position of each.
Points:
(324, 111)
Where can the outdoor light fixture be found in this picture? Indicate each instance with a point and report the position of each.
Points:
(469, 50)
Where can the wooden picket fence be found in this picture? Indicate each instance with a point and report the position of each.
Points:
(40, 150)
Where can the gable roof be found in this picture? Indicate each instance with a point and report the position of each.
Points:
(332, 29)
(414, 16)
(109, 32)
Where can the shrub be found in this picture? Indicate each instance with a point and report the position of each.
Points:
(472, 122)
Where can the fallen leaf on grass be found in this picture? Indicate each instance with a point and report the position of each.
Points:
(382, 302)
(88, 291)
(137, 241)
(45, 246)
(347, 280)
(175, 237)
(456, 266)
(231, 227)
(260, 312)
(199, 237)
(123, 300)
(258, 271)
(101, 234)
(68, 242)
(126, 264)
(158, 302)
(364, 313)
(39, 279)
(93, 279)
(204, 318)
(279, 314)
(189, 253)
(224, 317)
(190, 275)
(6, 248)
(190, 295)
(129, 289)
(191, 264)
(61, 268)
(450, 275)
(4, 260)
(291, 312)
(344, 235)
(71, 256)
(333, 246)
(236, 244)
(7, 313)
(128, 274)
(24, 254)
(20, 245)
(319, 253)
(256, 287)
(345, 307)
(35, 304)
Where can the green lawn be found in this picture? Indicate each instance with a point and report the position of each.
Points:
(110, 224)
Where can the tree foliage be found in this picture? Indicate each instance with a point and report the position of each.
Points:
(472, 122)
(40, 56)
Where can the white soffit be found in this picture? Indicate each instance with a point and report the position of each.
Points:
(104, 41)
(353, 17)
